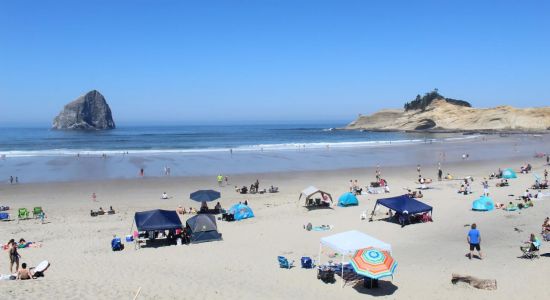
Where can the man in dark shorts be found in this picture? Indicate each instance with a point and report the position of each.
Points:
(474, 239)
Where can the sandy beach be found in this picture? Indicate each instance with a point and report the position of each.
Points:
(244, 264)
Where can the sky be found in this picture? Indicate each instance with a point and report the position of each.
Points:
(267, 60)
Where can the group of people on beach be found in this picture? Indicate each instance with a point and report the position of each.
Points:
(13, 247)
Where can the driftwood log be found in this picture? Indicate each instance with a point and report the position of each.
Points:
(484, 284)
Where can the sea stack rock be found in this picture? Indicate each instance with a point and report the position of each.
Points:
(87, 112)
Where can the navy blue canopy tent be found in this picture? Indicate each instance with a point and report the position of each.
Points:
(403, 205)
(157, 219)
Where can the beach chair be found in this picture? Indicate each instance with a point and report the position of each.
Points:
(22, 214)
(4, 216)
(532, 252)
(307, 262)
(37, 211)
(284, 263)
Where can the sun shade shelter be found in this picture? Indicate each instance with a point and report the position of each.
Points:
(483, 203)
(311, 191)
(509, 174)
(241, 211)
(347, 243)
(157, 219)
(203, 228)
(348, 199)
(403, 205)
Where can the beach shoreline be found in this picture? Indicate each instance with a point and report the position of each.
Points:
(427, 253)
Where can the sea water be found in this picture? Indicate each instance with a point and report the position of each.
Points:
(41, 154)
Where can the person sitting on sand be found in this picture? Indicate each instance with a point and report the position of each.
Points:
(204, 206)
(419, 194)
(526, 196)
(179, 210)
(449, 176)
(218, 206)
(532, 244)
(192, 210)
(111, 210)
(546, 225)
(462, 189)
(164, 196)
(529, 203)
(24, 273)
(101, 211)
(511, 206)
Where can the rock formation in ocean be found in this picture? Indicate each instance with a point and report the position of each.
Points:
(87, 112)
(444, 115)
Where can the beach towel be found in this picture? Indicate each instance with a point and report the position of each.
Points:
(322, 228)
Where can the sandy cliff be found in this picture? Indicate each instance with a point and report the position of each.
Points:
(441, 115)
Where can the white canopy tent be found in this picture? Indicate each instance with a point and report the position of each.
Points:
(311, 190)
(347, 243)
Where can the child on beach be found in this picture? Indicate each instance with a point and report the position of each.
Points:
(474, 240)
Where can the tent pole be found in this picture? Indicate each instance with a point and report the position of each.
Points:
(343, 281)
(320, 249)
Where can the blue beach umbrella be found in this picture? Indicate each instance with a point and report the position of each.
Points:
(205, 195)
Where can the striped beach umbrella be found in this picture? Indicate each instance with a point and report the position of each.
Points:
(373, 263)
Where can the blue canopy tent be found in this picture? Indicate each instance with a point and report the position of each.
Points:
(509, 174)
(348, 199)
(157, 219)
(404, 206)
(241, 211)
(483, 203)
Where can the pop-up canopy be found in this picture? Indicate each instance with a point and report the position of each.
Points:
(347, 243)
(404, 204)
(310, 191)
(157, 219)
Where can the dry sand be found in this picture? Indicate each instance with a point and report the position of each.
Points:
(244, 264)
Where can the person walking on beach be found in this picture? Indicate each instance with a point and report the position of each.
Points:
(474, 240)
(545, 174)
(94, 197)
(439, 174)
(485, 184)
(11, 179)
(141, 172)
(418, 169)
(547, 159)
(220, 180)
(16, 179)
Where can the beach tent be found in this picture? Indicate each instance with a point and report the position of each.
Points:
(403, 204)
(241, 211)
(509, 174)
(348, 199)
(157, 219)
(203, 228)
(311, 191)
(347, 243)
(483, 203)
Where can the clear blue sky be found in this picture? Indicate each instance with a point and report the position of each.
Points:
(194, 61)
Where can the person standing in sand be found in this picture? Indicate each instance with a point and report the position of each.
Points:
(141, 172)
(14, 256)
(94, 197)
(474, 240)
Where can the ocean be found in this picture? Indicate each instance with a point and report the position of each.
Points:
(16, 142)
(44, 155)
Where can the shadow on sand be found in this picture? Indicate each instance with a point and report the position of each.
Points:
(385, 288)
